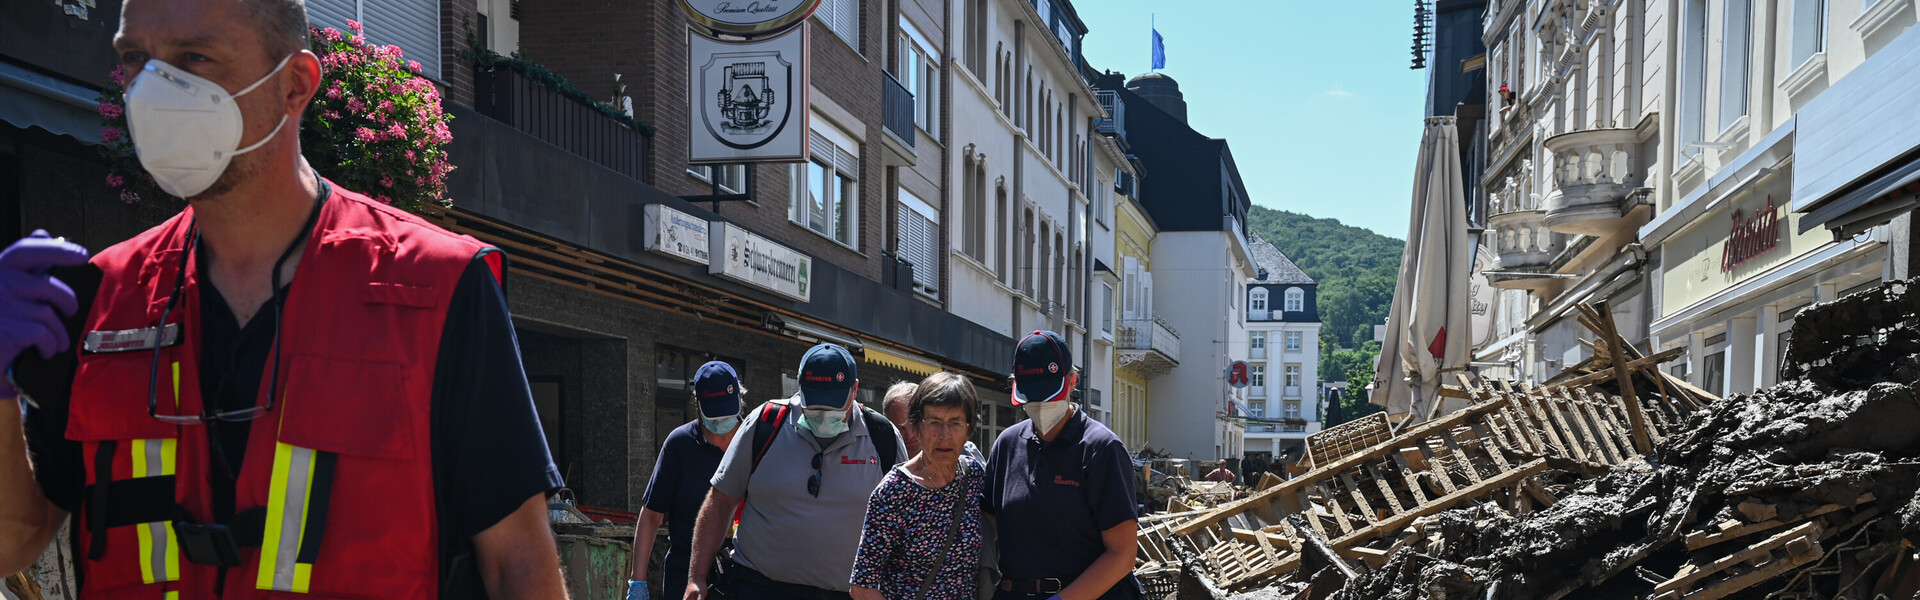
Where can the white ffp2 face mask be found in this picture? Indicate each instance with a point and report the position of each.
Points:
(1046, 415)
(186, 128)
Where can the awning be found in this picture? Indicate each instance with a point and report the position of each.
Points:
(30, 99)
(902, 361)
(1877, 201)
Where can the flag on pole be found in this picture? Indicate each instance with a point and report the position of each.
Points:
(1159, 51)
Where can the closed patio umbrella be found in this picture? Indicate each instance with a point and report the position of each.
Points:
(1428, 332)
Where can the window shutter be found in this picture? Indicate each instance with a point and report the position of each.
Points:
(413, 25)
(1146, 295)
(1130, 294)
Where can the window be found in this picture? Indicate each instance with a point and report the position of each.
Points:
(843, 17)
(1101, 189)
(1296, 300)
(1257, 340)
(1693, 79)
(1293, 410)
(1005, 246)
(920, 73)
(918, 241)
(1736, 40)
(732, 177)
(1257, 376)
(1809, 35)
(1293, 340)
(1713, 375)
(1257, 302)
(973, 196)
(412, 25)
(976, 16)
(1106, 307)
(1293, 377)
(825, 191)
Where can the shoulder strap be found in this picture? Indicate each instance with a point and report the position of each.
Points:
(885, 439)
(946, 546)
(766, 428)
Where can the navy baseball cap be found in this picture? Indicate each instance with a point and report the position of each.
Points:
(827, 371)
(1040, 367)
(718, 389)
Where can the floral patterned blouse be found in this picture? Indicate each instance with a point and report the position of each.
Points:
(907, 526)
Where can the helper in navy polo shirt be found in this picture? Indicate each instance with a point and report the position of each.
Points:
(1053, 499)
(681, 479)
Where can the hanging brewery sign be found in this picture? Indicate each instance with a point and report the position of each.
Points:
(748, 17)
(748, 101)
(744, 256)
(1480, 295)
(676, 234)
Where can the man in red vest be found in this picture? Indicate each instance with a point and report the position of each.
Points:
(287, 388)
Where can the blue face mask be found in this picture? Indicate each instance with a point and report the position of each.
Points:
(720, 426)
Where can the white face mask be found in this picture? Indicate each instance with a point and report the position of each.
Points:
(1046, 415)
(186, 128)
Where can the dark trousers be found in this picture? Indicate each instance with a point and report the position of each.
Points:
(751, 585)
(673, 576)
(1127, 589)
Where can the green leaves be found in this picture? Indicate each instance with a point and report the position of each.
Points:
(1356, 270)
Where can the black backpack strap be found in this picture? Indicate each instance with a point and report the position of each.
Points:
(766, 428)
(885, 439)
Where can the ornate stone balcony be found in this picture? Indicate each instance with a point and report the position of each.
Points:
(1520, 234)
(1147, 347)
(1594, 170)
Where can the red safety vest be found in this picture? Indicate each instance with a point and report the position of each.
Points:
(340, 468)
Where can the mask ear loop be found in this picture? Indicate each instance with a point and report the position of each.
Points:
(283, 118)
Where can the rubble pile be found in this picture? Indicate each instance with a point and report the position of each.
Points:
(1613, 480)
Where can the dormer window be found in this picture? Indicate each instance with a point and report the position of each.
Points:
(1257, 301)
(1296, 300)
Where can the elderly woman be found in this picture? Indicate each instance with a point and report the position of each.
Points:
(922, 535)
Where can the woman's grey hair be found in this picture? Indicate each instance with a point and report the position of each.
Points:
(945, 388)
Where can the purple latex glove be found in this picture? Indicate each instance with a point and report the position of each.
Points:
(31, 301)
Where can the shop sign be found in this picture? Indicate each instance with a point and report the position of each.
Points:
(676, 234)
(1237, 375)
(747, 101)
(1480, 296)
(749, 17)
(1753, 235)
(744, 256)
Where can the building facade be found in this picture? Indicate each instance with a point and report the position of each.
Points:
(1145, 348)
(1707, 167)
(1573, 120)
(1772, 114)
(1020, 244)
(1282, 354)
(1191, 188)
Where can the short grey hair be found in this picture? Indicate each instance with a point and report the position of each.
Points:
(283, 26)
(899, 393)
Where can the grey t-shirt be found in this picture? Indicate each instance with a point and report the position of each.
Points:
(786, 533)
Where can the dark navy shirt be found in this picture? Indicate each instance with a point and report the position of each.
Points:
(681, 478)
(1053, 499)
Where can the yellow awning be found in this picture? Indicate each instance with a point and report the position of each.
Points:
(900, 360)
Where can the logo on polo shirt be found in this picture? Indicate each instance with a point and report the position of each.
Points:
(1058, 480)
(847, 460)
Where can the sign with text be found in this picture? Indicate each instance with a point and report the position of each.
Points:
(749, 17)
(677, 234)
(744, 256)
(1480, 296)
(747, 101)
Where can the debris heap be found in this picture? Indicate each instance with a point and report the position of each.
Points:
(1804, 490)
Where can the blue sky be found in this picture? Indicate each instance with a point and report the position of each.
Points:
(1315, 97)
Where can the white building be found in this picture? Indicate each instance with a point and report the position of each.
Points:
(1020, 116)
(1282, 353)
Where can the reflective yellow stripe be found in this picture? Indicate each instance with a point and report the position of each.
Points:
(159, 547)
(171, 595)
(287, 501)
(176, 384)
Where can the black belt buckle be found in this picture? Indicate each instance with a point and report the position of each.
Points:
(211, 545)
(1050, 585)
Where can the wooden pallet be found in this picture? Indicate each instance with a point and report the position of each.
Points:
(1768, 559)
(1347, 438)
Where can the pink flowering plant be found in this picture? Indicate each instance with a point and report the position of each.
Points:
(375, 126)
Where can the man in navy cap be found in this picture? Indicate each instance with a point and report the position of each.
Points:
(1061, 486)
(681, 478)
(803, 467)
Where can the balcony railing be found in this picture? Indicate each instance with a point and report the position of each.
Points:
(1147, 347)
(897, 107)
(528, 106)
(1593, 173)
(1518, 231)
